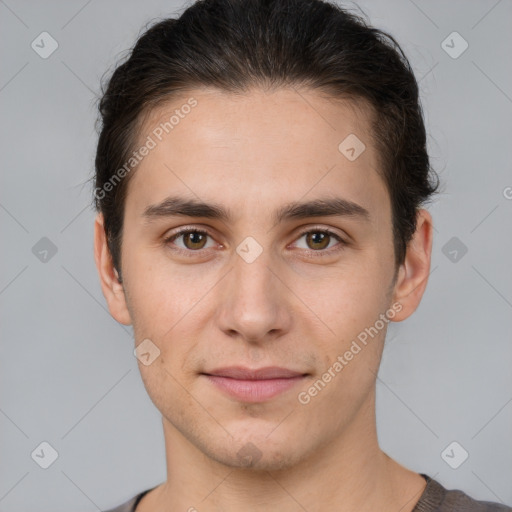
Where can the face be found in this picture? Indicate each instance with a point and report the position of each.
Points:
(285, 261)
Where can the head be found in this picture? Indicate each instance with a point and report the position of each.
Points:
(226, 122)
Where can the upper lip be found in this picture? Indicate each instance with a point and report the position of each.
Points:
(241, 373)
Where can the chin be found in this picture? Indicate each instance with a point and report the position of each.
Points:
(256, 453)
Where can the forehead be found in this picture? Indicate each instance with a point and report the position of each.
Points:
(257, 116)
(267, 146)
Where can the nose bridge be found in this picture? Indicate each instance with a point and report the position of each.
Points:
(252, 279)
(251, 274)
(252, 303)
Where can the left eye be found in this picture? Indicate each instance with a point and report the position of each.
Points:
(318, 240)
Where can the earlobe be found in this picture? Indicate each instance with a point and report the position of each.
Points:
(110, 281)
(414, 272)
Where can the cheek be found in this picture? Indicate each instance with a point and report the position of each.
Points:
(349, 306)
(161, 294)
(167, 306)
(348, 300)
(167, 390)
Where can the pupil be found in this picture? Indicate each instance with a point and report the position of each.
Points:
(195, 238)
(318, 238)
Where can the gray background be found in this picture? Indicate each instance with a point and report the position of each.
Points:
(68, 374)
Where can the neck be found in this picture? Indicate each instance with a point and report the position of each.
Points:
(351, 470)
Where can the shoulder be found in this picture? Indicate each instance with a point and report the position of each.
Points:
(456, 501)
(437, 498)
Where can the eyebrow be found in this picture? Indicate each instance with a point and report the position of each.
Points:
(329, 207)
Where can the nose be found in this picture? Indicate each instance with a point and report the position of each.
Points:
(255, 302)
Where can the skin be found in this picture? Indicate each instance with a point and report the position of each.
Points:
(252, 154)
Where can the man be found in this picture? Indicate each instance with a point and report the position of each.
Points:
(259, 177)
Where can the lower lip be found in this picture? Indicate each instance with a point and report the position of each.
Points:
(254, 390)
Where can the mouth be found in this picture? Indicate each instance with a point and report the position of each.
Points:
(252, 386)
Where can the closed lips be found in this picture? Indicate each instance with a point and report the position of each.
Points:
(240, 373)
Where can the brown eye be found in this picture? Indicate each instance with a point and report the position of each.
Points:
(189, 240)
(318, 240)
(194, 239)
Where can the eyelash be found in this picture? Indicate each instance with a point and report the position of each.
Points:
(318, 253)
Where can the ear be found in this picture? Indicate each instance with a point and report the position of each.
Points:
(414, 271)
(112, 289)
